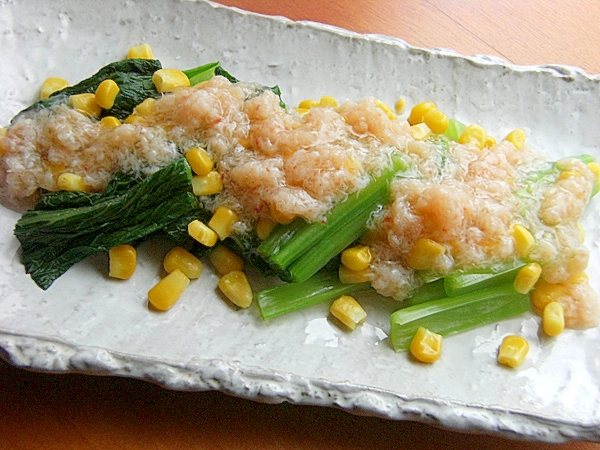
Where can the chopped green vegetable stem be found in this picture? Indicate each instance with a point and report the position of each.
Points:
(432, 290)
(453, 315)
(301, 249)
(463, 283)
(286, 298)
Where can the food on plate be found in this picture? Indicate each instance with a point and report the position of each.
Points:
(333, 198)
(512, 351)
(426, 346)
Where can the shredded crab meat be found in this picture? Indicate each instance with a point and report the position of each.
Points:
(566, 200)
(581, 307)
(280, 165)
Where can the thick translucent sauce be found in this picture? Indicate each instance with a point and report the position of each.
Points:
(280, 165)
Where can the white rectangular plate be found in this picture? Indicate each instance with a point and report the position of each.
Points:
(87, 323)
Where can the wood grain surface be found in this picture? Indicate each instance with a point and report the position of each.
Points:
(74, 411)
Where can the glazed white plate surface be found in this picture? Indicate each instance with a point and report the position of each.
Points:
(88, 323)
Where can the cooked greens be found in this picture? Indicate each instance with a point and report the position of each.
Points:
(133, 76)
(299, 250)
(66, 228)
(286, 298)
(451, 315)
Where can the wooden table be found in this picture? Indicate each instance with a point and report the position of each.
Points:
(50, 411)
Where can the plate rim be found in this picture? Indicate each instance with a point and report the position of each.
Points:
(72, 358)
(53, 355)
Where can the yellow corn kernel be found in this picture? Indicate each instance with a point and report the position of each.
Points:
(386, 109)
(544, 293)
(328, 101)
(203, 234)
(3, 132)
(225, 260)
(513, 351)
(132, 119)
(524, 240)
(223, 221)
(426, 345)
(420, 131)
(142, 51)
(199, 160)
(122, 261)
(208, 184)
(264, 227)
(527, 277)
(71, 182)
(517, 138)
(236, 287)
(145, 108)
(474, 134)
(578, 278)
(348, 276)
(417, 113)
(357, 258)
(307, 104)
(423, 253)
(167, 291)
(400, 105)
(348, 311)
(553, 319)
(490, 141)
(106, 93)
(179, 258)
(569, 174)
(167, 80)
(110, 122)
(436, 120)
(52, 85)
(595, 168)
(85, 104)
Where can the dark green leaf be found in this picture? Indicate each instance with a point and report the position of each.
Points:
(133, 76)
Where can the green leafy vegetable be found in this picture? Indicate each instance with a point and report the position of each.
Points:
(133, 76)
(120, 183)
(52, 240)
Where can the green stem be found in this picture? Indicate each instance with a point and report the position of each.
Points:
(201, 73)
(286, 298)
(463, 283)
(432, 290)
(448, 316)
(301, 249)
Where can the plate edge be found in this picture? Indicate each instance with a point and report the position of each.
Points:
(49, 354)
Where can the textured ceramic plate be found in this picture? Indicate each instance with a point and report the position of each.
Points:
(87, 323)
